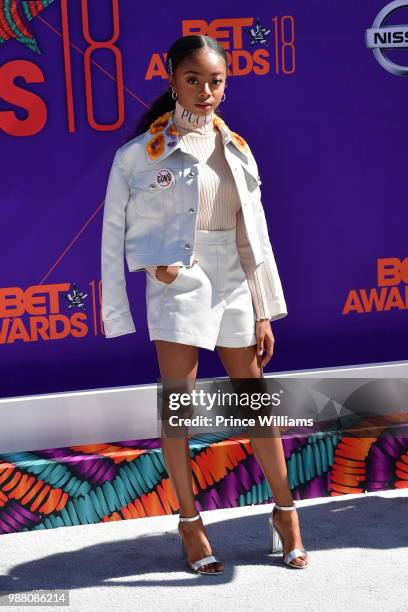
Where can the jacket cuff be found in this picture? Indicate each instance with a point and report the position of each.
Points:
(119, 327)
(277, 310)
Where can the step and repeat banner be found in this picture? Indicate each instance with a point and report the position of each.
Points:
(316, 89)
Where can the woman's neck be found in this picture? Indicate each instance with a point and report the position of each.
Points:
(188, 121)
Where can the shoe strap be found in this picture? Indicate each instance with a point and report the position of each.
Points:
(285, 507)
(192, 518)
(204, 561)
(293, 554)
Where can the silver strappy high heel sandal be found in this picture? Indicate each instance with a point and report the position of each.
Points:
(276, 541)
(201, 562)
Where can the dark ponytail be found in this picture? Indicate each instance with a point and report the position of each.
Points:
(182, 48)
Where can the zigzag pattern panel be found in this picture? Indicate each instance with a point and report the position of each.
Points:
(89, 484)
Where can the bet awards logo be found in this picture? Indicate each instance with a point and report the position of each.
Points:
(36, 313)
(380, 37)
(391, 292)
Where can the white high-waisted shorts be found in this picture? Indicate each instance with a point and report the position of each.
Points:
(207, 304)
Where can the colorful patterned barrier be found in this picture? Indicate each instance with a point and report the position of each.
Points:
(97, 483)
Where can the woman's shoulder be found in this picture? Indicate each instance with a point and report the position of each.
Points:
(131, 154)
(237, 138)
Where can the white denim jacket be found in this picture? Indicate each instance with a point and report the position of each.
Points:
(150, 213)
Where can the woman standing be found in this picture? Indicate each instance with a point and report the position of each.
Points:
(221, 289)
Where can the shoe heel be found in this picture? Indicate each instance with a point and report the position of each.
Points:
(276, 542)
(183, 550)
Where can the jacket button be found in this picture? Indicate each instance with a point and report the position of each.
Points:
(191, 210)
(187, 246)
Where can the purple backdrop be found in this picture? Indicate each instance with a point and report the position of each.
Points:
(326, 124)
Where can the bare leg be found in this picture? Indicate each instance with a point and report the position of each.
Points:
(242, 363)
(179, 361)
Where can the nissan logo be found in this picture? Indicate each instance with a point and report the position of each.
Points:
(380, 37)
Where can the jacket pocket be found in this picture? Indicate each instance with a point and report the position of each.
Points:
(147, 197)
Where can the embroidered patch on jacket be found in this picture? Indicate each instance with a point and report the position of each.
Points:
(218, 121)
(172, 130)
(240, 142)
(160, 123)
(155, 146)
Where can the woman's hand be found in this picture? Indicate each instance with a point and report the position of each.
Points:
(264, 341)
(167, 274)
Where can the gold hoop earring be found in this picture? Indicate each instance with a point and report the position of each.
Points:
(172, 94)
(224, 97)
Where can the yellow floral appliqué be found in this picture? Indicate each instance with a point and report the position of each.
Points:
(155, 146)
(160, 123)
(218, 121)
(242, 144)
(172, 130)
